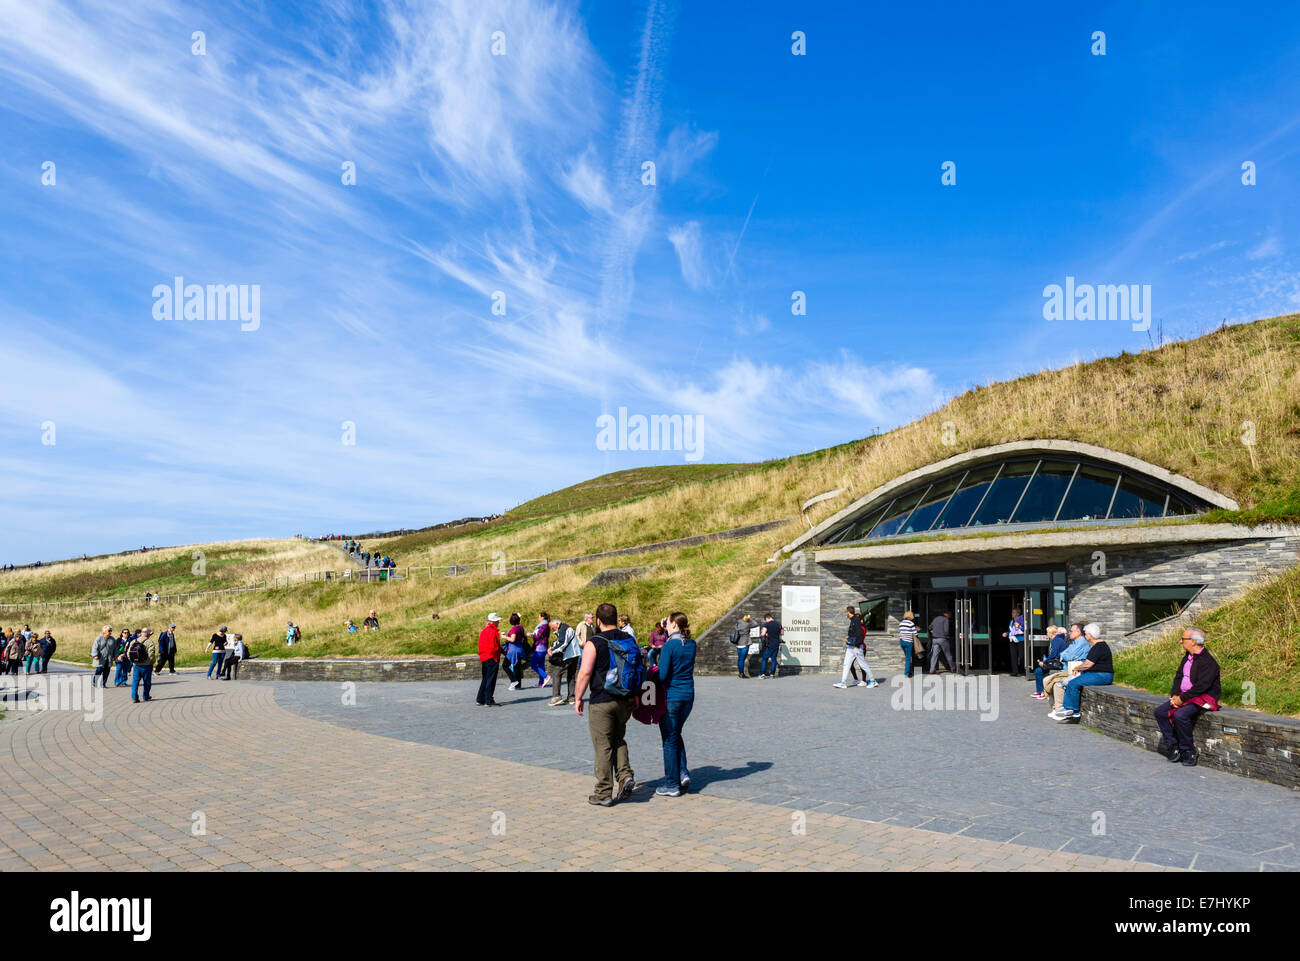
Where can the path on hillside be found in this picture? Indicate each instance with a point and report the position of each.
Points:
(271, 798)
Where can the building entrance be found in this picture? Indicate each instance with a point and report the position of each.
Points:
(974, 611)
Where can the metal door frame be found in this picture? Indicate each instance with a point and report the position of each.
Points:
(962, 630)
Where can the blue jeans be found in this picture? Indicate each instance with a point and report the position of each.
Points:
(670, 729)
(770, 652)
(907, 657)
(141, 671)
(1074, 689)
(120, 676)
(1038, 679)
(217, 658)
(742, 655)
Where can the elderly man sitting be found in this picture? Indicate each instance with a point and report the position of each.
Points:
(1195, 689)
(1076, 650)
(1096, 669)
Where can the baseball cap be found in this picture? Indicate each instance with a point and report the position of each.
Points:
(494, 617)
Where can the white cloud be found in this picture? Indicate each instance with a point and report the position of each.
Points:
(1266, 249)
(690, 252)
(685, 148)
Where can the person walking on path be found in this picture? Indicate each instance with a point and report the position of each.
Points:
(610, 660)
(517, 645)
(677, 674)
(1195, 690)
(48, 646)
(32, 655)
(907, 640)
(167, 649)
(772, 631)
(292, 634)
(540, 645)
(371, 623)
(102, 650)
(489, 654)
(563, 657)
(1015, 635)
(940, 632)
(853, 653)
(141, 653)
(217, 645)
(740, 638)
(122, 675)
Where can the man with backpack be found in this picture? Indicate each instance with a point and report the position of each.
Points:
(141, 652)
(853, 652)
(612, 671)
(167, 649)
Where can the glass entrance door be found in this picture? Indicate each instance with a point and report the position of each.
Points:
(962, 628)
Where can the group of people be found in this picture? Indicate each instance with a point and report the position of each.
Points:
(766, 636)
(371, 623)
(367, 559)
(135, 655)
(609, 676)
(23, 649)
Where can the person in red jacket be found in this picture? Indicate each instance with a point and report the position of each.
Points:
(489, 654)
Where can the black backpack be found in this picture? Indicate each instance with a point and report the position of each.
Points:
(137, 652)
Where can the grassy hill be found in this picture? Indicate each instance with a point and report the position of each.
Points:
(1188, 406)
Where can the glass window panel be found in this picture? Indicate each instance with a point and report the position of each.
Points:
(1006, 491)
(929, 509)
(1045, 492)
(963, 503)
(895, 516)
(1089, 496)
(1156, 603)
(874, 614)
(1017, 578)
(1137, 499)
(857, 530)
(1179, 507)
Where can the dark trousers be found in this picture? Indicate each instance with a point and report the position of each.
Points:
(45, 662)
(771, 652)
(487, 687)
(232, 664)
(568, 669)
(1017, 656)
(167, 660)
(101, 672)
(1179, 732)
(670, 731)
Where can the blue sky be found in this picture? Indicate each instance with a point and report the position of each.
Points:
(522, 173)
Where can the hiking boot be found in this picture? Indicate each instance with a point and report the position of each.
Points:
(1166, 749)
(554, 701)
(603, 802)
(1189, 758)
(626, 787)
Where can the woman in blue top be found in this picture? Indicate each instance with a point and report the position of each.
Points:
(677, 673)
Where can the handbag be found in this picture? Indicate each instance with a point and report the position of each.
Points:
(1053, 665)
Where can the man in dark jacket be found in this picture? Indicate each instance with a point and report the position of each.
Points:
(167, 649)
(48, 646)
(1195, 689)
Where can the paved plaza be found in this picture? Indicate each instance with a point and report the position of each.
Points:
(789, 774)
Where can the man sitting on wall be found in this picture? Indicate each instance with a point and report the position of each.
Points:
(1195, 689)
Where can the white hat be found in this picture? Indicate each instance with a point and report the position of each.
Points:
(494, 617)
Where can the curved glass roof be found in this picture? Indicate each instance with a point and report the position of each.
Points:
(1017, 490)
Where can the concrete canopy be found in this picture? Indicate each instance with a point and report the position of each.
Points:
(984, 455)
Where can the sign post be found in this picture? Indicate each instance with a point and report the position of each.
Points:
(801, 616)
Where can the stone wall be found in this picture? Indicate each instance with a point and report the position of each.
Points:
(1225, 568)
(1248, 743)
(359, 669)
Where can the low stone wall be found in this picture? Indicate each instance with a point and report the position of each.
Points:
(358, 669)
(1252, 744)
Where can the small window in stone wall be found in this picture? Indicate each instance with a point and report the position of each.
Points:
(875, 613)
(1151, 604)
